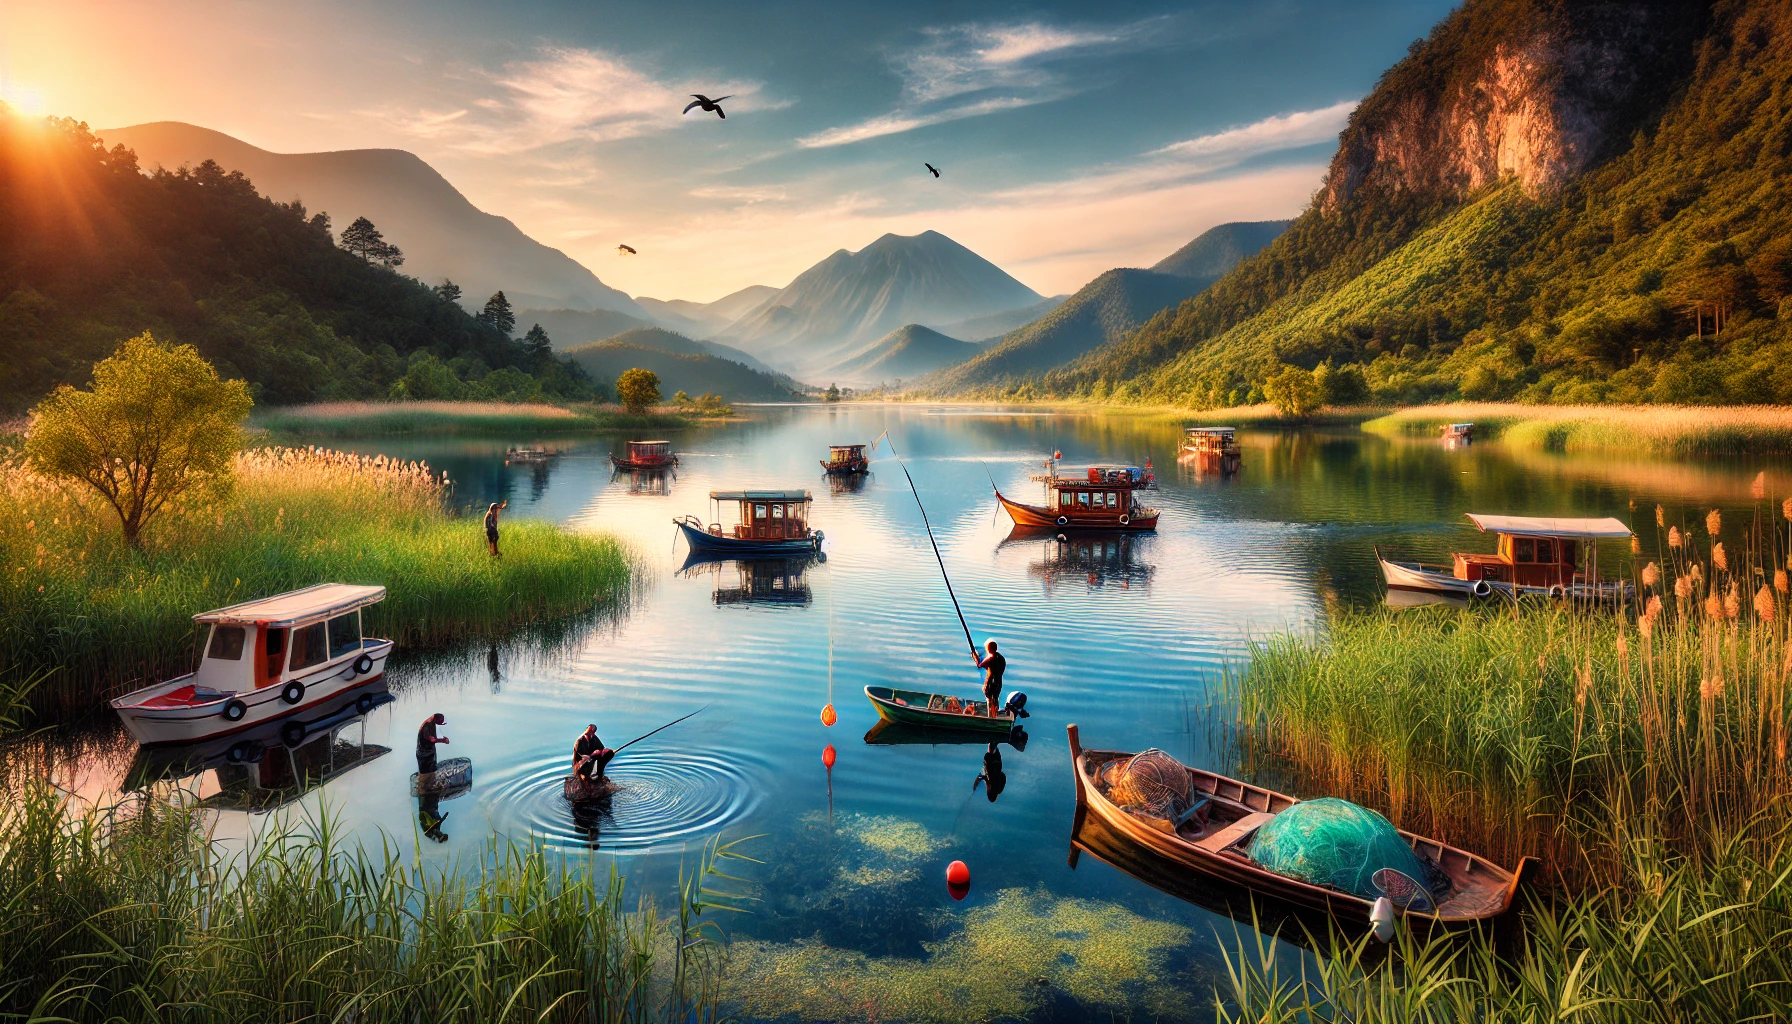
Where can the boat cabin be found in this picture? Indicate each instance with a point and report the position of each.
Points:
(650, 451)
(1099, 490)
(845, 458)
(1535, 552)
(1459, 431)
(1211, 441)
(766, 515)
(262, 642)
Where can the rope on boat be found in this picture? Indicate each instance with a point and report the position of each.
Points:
(884, 437)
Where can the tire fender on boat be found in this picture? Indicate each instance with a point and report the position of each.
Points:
(293, 692)
(1063, 520)
(1482, 588)
(1125, 520)
(1558, 592)
(234, 710)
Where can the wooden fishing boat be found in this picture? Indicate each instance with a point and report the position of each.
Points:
(528, 456)
(1536, 557)
(771, 523)
(844, 459)
(1459, 433)
(938, 711)
(649, 455)
(1213, 448)
(1480, 890)
(266, 659)
(1098, 498)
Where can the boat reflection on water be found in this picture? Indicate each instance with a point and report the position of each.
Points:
(992, 779)
(768, 581)
(1094, 558)
(262, 768)
(846, 483)
(657, 482)
(1423, 599)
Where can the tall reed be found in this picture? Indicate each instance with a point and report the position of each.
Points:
(1656, 429)
(96, 617)
(146, 919)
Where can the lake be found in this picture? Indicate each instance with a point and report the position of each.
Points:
(1128, 636)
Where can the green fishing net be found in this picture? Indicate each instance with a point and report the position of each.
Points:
(1336, 843)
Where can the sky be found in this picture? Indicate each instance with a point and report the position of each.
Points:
(1071, 138)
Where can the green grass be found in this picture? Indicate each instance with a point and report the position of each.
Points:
(94, 618)
(361, 419)
(145, 919)
(1655, 430)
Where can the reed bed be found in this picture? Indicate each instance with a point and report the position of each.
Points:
(361, 419)
(1652, 429)
(145, 919)
(91, 618)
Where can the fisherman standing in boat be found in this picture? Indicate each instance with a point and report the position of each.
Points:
(589, 755)
(426, 743)
(491, 525)
(993, 665)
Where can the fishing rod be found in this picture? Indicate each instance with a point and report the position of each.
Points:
(936, 545)
(668, 725)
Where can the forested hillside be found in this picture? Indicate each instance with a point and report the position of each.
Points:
(93, 252)
(1545, 202)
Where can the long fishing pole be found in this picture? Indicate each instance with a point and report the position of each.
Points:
(668, 725)
(936, 553)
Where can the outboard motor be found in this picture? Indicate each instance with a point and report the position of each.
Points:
(1017, 705)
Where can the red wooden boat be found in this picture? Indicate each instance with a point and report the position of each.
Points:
(846, 458)
(647, 455)
(1100, 498)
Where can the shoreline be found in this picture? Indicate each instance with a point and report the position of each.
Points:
(365, 419)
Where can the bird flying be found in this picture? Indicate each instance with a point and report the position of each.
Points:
(629, 249)
(935, 170)
(707, 104)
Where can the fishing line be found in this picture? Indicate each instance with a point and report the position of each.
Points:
(936, 547)
(668, 725)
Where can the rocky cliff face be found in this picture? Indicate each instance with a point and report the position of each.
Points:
(1535, 90)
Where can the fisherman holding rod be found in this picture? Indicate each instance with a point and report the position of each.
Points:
(590, 757)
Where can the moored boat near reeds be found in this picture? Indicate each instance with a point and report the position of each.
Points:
(1213, 449)
(1537, 557)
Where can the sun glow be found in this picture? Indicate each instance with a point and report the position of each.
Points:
(23, 98)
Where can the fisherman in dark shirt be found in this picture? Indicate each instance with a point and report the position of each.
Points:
(993, 665)
(491, 525)
(589, 755)
(426, 743)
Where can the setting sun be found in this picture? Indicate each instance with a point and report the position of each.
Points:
(25, 99)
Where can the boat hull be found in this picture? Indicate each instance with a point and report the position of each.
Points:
(1496, 898)
(708, 543)
(1033, 515)
(325, 687)
(644, 464)
(1413, 578)
(883, 698)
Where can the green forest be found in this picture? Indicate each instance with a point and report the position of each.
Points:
(95, 252)
(1661, 274)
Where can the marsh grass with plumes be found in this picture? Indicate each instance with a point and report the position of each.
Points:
(1639, 429)
(362, 419)
(1641, 752)
(90, 618)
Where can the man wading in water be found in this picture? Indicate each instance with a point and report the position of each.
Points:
(426, 743)
(589, 756)
(491, 526)
(993, 665)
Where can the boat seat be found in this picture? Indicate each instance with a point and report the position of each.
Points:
(1234, 832)
(183, 697)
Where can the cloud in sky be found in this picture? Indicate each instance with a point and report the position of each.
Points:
(971, 70)
(1285, 131)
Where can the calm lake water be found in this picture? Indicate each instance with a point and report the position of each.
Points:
(1125, 636)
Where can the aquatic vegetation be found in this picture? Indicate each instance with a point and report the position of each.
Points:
(97, 616)
(145, 919)
(362, 419)
(1656, 429)
(1009, 959)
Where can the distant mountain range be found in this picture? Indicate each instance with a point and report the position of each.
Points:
(441, 233)
(850, 299)
(994, 325)
(1107, 308)
(682, 364)
(703, 319)
(906, 352)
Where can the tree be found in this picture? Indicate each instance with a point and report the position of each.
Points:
(682, 399)
(448, 291)
(538, 346)
(365, 241)
(498, 315)
(638, 389)
(158, 424)
(833, 392)
(1294, 392)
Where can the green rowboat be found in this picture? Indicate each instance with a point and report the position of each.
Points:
(937, 711)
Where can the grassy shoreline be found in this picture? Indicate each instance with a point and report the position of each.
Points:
(361, 419)
(1645, 429)
(93, 618)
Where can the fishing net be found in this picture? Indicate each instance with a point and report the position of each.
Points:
(1150, 782)
(1336, 843)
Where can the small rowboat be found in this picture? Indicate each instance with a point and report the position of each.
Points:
(938, 711)
(1480, 890)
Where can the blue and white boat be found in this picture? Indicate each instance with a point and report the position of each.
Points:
(770, 523)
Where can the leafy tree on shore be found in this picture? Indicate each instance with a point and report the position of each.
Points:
(536, 343)
(159, 423)
(1294, 391)
(365, 241)
(833, 393)
(638, 389)
(498, 315)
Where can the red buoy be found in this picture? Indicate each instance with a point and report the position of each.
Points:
(828, 755)
(958, 879)
(827, 715)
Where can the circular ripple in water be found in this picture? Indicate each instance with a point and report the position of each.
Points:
(662, 798)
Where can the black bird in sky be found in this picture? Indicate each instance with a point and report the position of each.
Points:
(707, 104)
(935, 170)
(629, 249)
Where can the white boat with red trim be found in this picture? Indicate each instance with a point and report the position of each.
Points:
(262, 660)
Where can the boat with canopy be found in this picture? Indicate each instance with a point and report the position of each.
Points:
(646, 455)
(1096, 498)
(1535, 557)
(1213, 448)
(262, 660)
(770, 523)
(1325, 855)
(845, 459)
